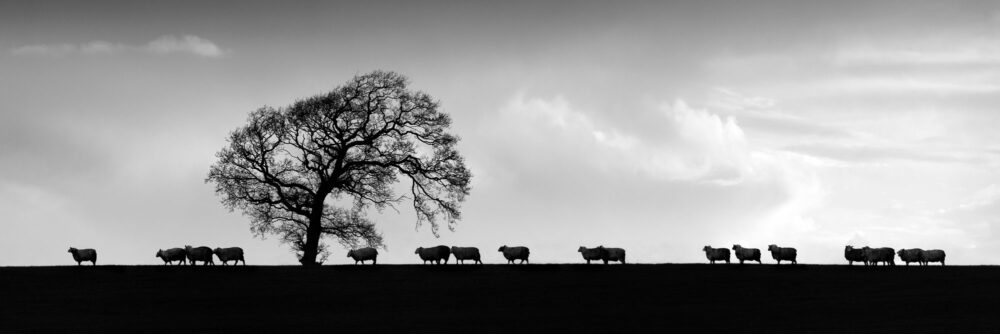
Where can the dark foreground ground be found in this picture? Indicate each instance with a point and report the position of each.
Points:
(496, 298)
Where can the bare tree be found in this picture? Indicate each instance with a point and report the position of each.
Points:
(311, 169)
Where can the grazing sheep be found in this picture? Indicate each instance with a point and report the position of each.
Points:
(84, 255)
(716, 254)
(746, 254)
(171, 255)
(783, 253)
(202, 253)
(363, 254)
(234, 254)
(612, 254)
(910, 255)
(854, 255)
(933, 255)
(466, 253)
(591, 253)
(882, 254)
(515, 253)
(434, 254)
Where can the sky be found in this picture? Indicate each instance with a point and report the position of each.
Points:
(652, 126)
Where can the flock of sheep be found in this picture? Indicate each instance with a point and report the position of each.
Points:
(887, 256)
(750, 254)
(866, 255)
(437, 254)
(179, 255)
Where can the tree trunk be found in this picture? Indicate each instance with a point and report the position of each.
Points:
(311, 250)
(314, 232)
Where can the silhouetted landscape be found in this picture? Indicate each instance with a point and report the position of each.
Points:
(499, 167)
(500, 298)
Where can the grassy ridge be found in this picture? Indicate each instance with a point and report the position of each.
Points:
(496, 298)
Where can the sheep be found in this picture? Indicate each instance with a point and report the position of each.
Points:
(202, 253)
(234, 254)
(434, 254)
(591, 253)
(612, 254)
(363, 254)
(746, 254)
(465, 253)
(783, 253)
(84, 255)
(854, 255)
(882, 254)
(910, 255)
(515, 253)
(933, 255)
(171, 255)
(716, 254)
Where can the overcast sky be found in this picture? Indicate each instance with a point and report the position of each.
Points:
(659, 128)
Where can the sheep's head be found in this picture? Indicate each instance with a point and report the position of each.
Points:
(581, 249)
(217, 250)
(901, 252)
(187, 247)
(772, 247)
(502, 248)
(350, 253)
(707, 248)
(737, 247)
(159, 253)
(72, 250)
(418, 250)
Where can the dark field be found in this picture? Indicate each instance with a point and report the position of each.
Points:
(495, 298)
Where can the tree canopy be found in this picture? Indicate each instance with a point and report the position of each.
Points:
(311, 170)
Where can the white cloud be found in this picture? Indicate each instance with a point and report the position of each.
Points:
(168, 44)
(951, 50)
(694, 145)
(101, 47)
(185, 44)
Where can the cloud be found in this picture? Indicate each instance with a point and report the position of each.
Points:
(952, 50)
(693, 144)
(185, 44)
(101, 47)
(763, 117)
(874, 153)
(168, 44)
